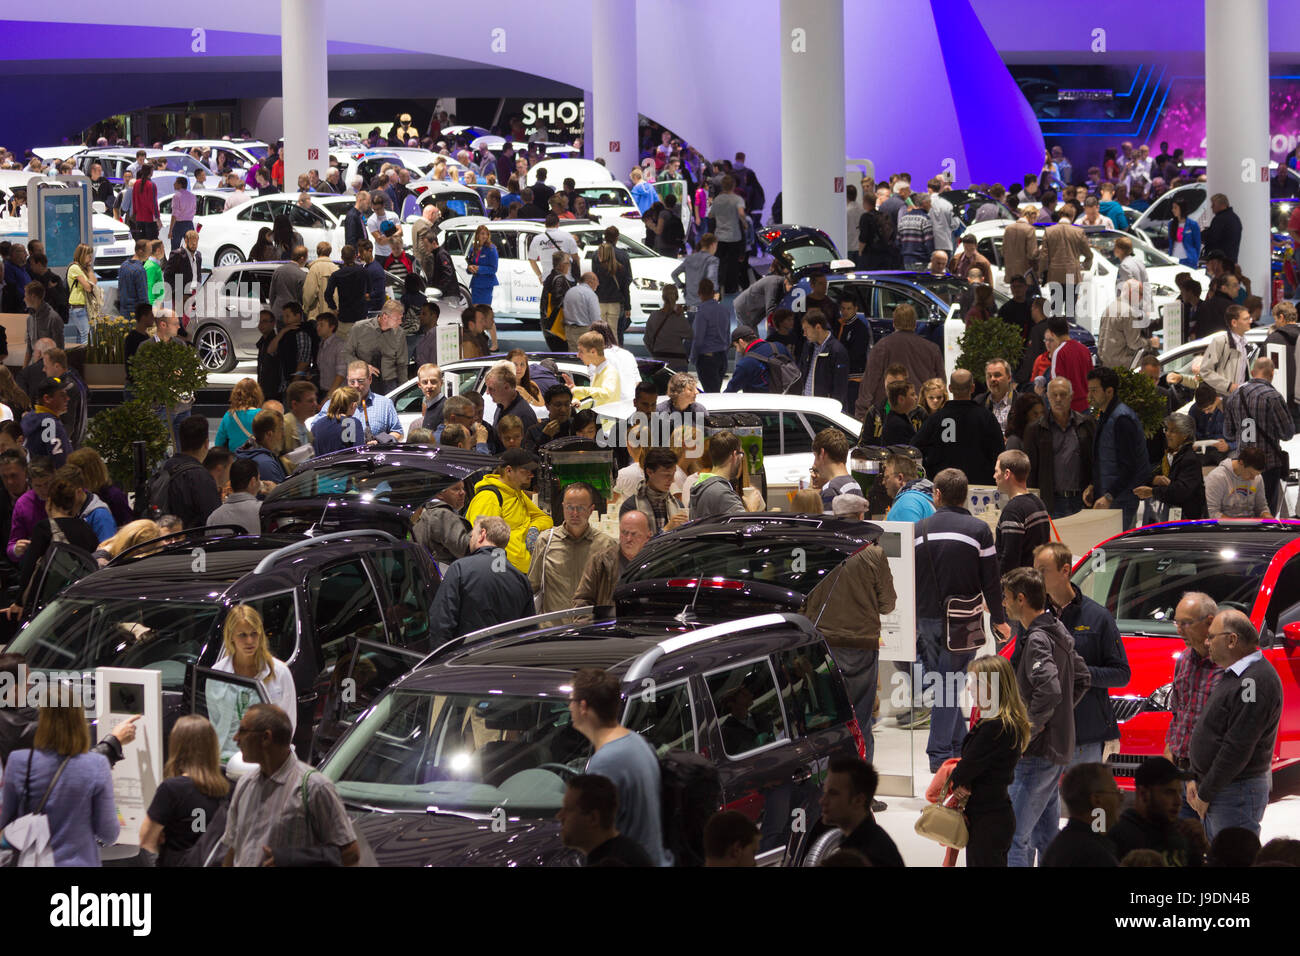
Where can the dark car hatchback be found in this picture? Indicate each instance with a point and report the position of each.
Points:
(464, 761)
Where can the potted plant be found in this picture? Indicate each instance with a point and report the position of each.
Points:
(106, 352)
(165, 375)
(112, 431)
(988, 339)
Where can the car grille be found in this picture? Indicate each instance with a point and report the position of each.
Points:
(1126, 708)
(1125, 765)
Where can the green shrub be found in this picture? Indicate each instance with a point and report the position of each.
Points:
(111, 432)
(167, 374)
(1139, 393)
(988, 339)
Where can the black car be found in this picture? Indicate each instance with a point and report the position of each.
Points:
(464, 760)
(800, 249)
(967, 202)
(162, 605)
(377, 486)
(735, 565)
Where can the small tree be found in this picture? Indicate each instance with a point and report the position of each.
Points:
(985, 340)
(1139, 393)
(167, 374)
(112, 431)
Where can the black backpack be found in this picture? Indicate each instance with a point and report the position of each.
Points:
(756, 195)
(160, 486)
(782, 372)
(690, 793)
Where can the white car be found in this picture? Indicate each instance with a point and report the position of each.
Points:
(607, 199)
(228, 237)
(207, 203)
(452, 199)
(1099, 278)
(519, 290)
(789, 423)
(116, 160)
(242, 154)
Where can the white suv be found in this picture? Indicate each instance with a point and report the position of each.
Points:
(228, 237)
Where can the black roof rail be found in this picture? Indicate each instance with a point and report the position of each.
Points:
(266, 562)
(523, 625)
(168, 541)
(643, 664)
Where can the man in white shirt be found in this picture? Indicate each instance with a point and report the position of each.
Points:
(1092, 214)
(943, 220)
(1223, 366)
(552, 240)
(381, 215)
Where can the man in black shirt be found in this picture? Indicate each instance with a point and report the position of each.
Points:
(846, 803)
(1018, 310)
(1092, 799)
(1149, 823)
(587, 824)
(137, 336)
(191, 493)
(1024, 523)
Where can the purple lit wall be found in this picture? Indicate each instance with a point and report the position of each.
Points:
(1183, 122)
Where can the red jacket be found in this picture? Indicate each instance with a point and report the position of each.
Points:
(1073, 361)
(144, 201)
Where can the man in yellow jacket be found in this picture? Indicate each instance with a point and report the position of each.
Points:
(503, 494)
(605, 386)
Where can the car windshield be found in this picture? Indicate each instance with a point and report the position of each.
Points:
(80, 634)
(1104, 243)
(182, 164)
(605, 196)
(591, 238)
(460, 752)
(777, 561)
(950, 289)
(806, 251)
(258, 152)
(388, 484)
(455, 204)
(1142, 587)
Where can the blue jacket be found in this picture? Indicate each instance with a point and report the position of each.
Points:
(132, 287)
(712, 327)
(1114, 212)
(1119, 460)
(751, 374)
(913, 503)
(1191, 242)
(482, 283)
(268, 465)
(1096, 638)
(376, 287)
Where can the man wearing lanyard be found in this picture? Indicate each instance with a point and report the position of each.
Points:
(375, 413)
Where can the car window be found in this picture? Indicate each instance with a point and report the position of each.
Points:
(771, 432)
(748, 706)
(453, 240)
(606, 196)
(280, 620)
(307, 218)
(664, 717)
(889, 297)
(343, 605)
(507, 243)
(402, 587)
(786, 563)
(165, 206)
(809, 691)
(256, 212)
(855, 292)
(990, 250)
(409, 400)
(1284, 605)
(817, 422)
(796, 440)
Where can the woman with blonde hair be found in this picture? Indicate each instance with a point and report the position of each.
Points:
(62, 778)
(193, 789)
(934, 395)
(988, 760)
(127, 537)
(247, 653)
(331, 433)
(83, 295)
(807, 501)
(236, 426)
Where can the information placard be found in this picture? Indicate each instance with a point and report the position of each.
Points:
(121, 693)
(898, 630)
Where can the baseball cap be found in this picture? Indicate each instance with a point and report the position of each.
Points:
(1157, 772)
(848, 504)
(519, 458)
(744, 332)
(50, 385)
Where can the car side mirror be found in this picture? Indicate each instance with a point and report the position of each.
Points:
(99, 207)
(1291, 634)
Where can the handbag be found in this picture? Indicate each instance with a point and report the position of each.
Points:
(963, 617)
(943, 824)
(35, 828)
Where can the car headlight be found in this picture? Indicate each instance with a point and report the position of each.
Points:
(1159, 699)
(648, 285)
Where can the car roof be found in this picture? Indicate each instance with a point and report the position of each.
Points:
(746, 402)
(442, 459)
(1260, 535)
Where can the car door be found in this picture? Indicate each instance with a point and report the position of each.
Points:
(759, 765)
(223, 698)
(314, 225)
(363, 673)
(1284, 654)
(666, 717)
(407, 582)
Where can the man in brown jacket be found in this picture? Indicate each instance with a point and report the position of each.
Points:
(921, 357)
(1058, 258)
(609, 558)
(1020, 246)
(318, 276)
(846, 607)
(970, 258)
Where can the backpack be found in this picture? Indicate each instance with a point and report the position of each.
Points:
(160, 502)
(782, 372)
(756, 195)
(690, 792)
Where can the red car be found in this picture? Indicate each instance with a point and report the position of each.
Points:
(1139, 576)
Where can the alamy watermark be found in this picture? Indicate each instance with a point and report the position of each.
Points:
(39, 688)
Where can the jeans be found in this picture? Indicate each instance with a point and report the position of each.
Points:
(711, 366)
(1033, 791)
(1239, 804)
(178, 232)
(861, 670)
(1130, 513)
(77, 329)
(1063, 507)
(731, 256)
(947, 723)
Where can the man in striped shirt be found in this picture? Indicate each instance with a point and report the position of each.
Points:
(1195, 677)
(1024, 523)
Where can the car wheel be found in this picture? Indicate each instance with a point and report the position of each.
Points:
(216, 350)
(822, 847)
(229, 256)
(464, 294)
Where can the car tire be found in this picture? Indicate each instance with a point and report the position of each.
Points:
(823, 845)
(216, 348)
(229, 256)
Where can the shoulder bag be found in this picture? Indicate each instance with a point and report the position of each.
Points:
(963, 618)
(34, 827)
(943, 824)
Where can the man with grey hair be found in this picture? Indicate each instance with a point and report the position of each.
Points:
(1231, 747)
(1179, 485)
(1195, 677)
(483, 588)
(1223, 234)
(1256, 416)
(1059, 446)
(379, 342)
(1122, 334)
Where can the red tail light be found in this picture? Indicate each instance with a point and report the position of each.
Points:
(722, 584)
(631, 215)
(859, 741)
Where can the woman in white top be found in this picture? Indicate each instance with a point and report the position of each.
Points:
(247, 654)
(629, 373)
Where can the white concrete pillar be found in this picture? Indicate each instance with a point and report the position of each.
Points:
(812, 116)
(304, 72)
(612, 112)
(1236, 120)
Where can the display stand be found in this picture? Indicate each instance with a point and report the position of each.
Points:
(122, 693)
(894, 745)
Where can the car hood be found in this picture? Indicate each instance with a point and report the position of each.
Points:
(426, 839)
(1151, 660)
